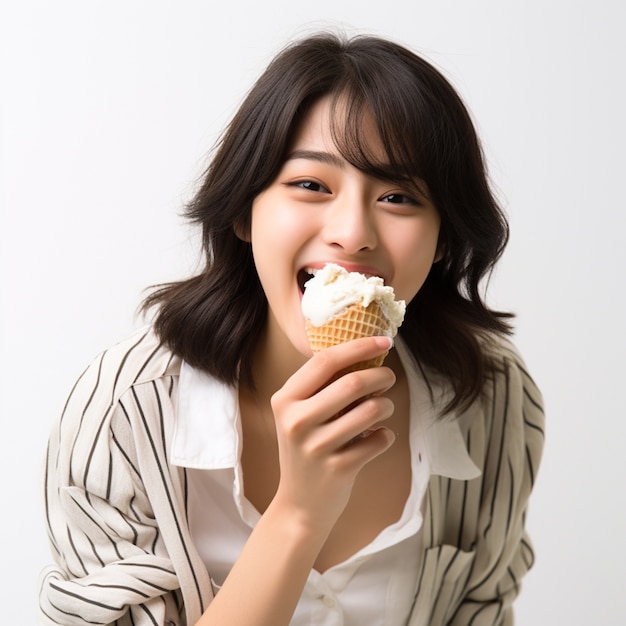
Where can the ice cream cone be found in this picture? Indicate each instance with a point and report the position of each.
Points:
(340, 306)
(353, 322)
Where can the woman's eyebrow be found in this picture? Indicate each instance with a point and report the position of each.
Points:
(317, 155)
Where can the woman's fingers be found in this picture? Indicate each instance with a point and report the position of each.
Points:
(351, 389)
(358, 421)
(336, 413)
(323, 416)
(317, 372)
(313, 380)
(367, 445)
(348, 410)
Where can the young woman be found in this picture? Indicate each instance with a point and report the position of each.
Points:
(199, 474)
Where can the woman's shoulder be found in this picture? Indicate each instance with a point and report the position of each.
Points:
(139, 359)
(98, 418)
(510, 392)
(506, 361)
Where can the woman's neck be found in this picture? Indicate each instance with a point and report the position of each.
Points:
(274, 360)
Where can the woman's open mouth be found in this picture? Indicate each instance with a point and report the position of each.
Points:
(304, 275)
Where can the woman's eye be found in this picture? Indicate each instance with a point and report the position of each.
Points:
(399, 198)
(310, 185)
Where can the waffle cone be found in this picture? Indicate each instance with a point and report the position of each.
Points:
(354, 322)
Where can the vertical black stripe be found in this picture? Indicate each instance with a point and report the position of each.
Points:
(464, 498)
(85, 407)
(529, 465)
(109, 476)
(186, 491)
(76, 554)
(489, 425)
(47, 502)
(93, 549)
(120, 368)
(498, 468)
(511, 500)
(122, 451)
(63, 412)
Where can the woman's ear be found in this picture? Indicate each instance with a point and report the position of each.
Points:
(242, 230)
(441, 249)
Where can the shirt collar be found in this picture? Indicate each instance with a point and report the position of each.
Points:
(442, 435)
(207, 433)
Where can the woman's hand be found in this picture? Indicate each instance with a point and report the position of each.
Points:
(327, 431)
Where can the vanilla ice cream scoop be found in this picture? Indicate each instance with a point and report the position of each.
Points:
(333, 289)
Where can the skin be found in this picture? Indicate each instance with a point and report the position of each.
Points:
(302, 473)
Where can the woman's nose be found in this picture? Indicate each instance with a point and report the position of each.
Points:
(349, 225)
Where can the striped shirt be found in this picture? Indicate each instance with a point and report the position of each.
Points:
(117, 507)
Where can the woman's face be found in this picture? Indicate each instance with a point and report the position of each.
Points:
(322, 209)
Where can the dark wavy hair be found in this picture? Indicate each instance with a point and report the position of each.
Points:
(214, 318)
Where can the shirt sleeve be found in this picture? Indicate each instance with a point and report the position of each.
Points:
(509, 441)
(111, 565)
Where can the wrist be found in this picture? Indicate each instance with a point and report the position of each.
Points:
(297, 528)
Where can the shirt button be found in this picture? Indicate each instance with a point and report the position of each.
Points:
(328, 601)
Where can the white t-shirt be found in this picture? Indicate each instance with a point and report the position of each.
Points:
(374, 586)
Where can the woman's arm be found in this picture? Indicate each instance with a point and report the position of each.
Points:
(513, 433)
(112, 564)
(318, 469)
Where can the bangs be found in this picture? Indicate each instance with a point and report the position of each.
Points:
(403, 137)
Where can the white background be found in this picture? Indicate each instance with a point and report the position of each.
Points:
(107, 112)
